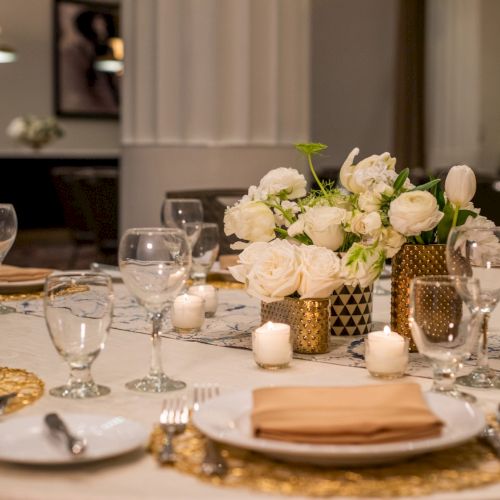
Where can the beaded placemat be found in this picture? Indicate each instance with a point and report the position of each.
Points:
(5, 297)
(470, 465)
(28, 386)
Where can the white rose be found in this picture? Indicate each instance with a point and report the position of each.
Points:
(250, 221)
(414, 212)
(323, 225)
(320, 272)
(275, 273)
(283, 179)
(246, 260)
(16, 128)
(391, 241)
(366, 223)
(368, 172)
(362, 264)
(460, 185)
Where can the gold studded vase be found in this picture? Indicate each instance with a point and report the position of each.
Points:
(309, 321)
(412, 261)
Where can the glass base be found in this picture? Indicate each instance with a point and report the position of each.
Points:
(455, 393)
(268, 366)
(7, 309)
(480, 379)
(80, 391)
(387, 376)
(159, 383)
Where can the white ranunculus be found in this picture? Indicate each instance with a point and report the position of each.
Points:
(283, 179)
(414, 212)
(323, 224)
(250, 221)
(365, 224)
(368, 172)
(291, 208)
(16, 128)
(275, 273)
(460, 185)
(362, 264)
(391, 241)
(321, 272)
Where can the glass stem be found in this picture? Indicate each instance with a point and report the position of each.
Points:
(482, 352)
(156, 366)
(79, 375)
(444, 376)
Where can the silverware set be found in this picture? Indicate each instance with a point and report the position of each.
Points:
(173, 420)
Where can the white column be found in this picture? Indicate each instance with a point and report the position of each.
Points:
(453, 55)
(215, 93)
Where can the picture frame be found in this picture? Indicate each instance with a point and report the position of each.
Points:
(83, 32)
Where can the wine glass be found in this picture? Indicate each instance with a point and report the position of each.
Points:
(8, 232)
(205, 251)
(185, 214)
(474, 250)
(443, 328)
(78, 308)
(155, 263)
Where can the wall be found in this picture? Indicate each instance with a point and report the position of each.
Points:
(352, 70)
(26, 85)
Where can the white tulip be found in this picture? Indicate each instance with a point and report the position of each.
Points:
(460, 185)
(250, 221)
(414, 212)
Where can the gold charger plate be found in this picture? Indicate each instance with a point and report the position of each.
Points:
(28, 386)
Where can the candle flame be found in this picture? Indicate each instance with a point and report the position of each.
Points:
(387, 330)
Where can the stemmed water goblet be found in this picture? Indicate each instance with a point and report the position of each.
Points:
(78, 309)
(444, 316)
(474, 250)
(205, 252)
(155, 263)
(8, 232)
(185, 214)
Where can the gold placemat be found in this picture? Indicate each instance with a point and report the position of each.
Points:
(21, 296)
(27, 385)
(467, 466)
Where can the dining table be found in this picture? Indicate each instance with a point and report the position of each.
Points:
(219, 354)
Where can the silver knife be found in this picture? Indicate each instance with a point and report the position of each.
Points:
(4, 400)
(57, 427)
(490, 436)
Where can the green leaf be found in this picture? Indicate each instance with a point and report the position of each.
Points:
(303, 238)
(428, 237)
(463, 214)
(401, 179)
(427, 186)
(438, 193)
(444, 226)
(281, 233)
(311, 148)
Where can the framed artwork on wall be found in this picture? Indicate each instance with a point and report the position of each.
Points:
(86, 34)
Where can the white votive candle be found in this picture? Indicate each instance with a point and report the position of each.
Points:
(188, 313)
(386, 354)
(209, 294)
(272, 346)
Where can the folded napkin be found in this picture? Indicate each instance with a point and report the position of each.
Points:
(15, 274)
(343, 415)
(228, 260)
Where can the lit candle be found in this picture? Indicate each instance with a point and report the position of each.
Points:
(386, 353)
(272, 346)
(209, 294)
(188, 313)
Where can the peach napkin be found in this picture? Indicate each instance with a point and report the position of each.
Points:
(14, 274)
(343, 415)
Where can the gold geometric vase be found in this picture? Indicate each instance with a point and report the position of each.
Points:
(412, 261)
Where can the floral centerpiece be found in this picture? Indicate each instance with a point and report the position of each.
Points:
(34, 131)
(304, 244)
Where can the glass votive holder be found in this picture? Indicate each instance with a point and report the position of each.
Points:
(272, 346)
(188, 313)
(209, 294)
(386, 355)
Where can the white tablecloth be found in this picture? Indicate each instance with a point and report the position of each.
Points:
(25, 344)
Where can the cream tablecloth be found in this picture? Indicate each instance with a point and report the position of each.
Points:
(25, 344)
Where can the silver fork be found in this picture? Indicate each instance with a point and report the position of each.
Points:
(173, 420)
(213, 463)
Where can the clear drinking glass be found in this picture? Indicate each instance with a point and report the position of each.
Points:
(8, 232)
(155, 263)
(444, 316)
(78, 309)
(185, 214)
(474, 250)
(205, 252)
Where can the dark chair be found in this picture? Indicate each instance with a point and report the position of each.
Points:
(214, 202)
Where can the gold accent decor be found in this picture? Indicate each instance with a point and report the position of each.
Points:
(470, 465)
(309, 321)
(409, 262)
(28, 386)
(21, 296)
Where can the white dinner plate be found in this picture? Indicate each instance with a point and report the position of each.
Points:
(27, 439)
(227, 419)
(21, 286)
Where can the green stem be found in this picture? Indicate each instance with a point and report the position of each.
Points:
(313, 172)
(455, 216)
(284, 213)
(419, 239)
